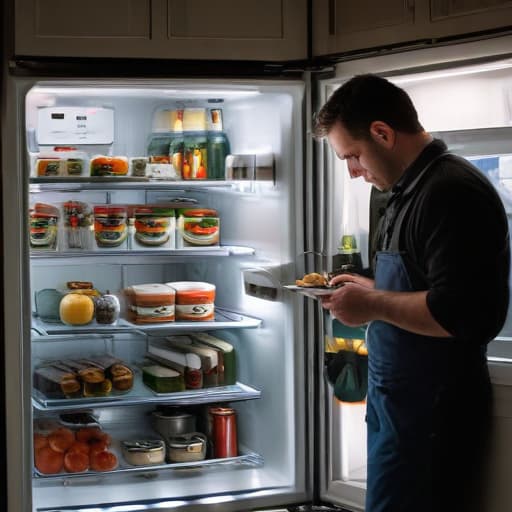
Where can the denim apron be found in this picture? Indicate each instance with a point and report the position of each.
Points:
(409, 384)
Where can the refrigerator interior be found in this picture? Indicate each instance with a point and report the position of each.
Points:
(470, 108)
(260, 247)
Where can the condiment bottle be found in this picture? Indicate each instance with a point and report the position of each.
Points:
(218, 146)
(224, 436)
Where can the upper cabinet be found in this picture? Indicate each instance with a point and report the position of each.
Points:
(350, 25)
(267, 30)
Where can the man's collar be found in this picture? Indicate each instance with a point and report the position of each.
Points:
(429, 152)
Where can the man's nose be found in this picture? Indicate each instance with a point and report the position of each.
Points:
(354, 169)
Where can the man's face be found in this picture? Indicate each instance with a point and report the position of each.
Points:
(365, 157)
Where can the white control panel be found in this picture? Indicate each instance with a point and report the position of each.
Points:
(75, 125)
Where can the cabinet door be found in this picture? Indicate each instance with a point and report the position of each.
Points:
(237, 29)
(74, 28)
(458, 17)
(182, 29)
(345, 25)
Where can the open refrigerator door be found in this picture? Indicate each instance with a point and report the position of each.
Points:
(149, 329)
(463, 95)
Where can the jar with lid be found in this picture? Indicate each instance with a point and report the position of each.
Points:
(224, 432)
(218, 146)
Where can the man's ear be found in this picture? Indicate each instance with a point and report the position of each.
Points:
(383, 134)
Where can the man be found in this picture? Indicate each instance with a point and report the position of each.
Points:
(440, 294)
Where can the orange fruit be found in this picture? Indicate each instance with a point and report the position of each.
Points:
(76, 309)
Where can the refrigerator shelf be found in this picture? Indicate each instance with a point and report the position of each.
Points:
(246, 459)
(68, 257)
(224, 319)
(141, 394)
(69, 184)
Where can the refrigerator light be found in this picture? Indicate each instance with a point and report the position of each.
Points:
(448, 73)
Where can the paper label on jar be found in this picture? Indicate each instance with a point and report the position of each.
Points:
(159, 311)
(194, 311)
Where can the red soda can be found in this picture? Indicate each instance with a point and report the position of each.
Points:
(224, 436)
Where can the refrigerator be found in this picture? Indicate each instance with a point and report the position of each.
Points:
(283, 214)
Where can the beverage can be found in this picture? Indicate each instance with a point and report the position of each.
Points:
(224, 434)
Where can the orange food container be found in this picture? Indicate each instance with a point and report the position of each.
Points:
(194, 300)
(150, 303)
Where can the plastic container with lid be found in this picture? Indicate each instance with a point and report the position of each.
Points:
(189, 447)
(194, 301)
(110, 226)
(197, 227)
(172, 422)
(44, 220)
(150, 303)
(142, 452)
(155, 227)
(61, 161)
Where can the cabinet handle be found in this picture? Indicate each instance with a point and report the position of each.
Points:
(332, 17)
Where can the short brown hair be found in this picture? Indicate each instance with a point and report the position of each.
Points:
(364, 99)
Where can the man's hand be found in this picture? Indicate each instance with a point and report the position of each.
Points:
(350, 304)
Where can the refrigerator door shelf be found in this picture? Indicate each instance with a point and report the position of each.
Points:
(224, 319)
(140, 394)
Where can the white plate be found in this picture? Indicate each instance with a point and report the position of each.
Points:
(311, 291)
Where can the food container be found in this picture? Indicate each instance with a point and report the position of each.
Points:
(186, 448)
(143, 452)
(110, 226)
(195, 156)
(138, 166)
(179, 358)
(106, 308)
(194, 301)
(149, 303)
(78, 224)
(224, 434)
(155, 227)
(194, 119)
(61, 161)
(109, 166)
(162, 379)
(172, 422)
(43, 226)
(197, 227)
(47, 303)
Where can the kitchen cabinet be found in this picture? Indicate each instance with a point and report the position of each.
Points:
(352, 25)
(266, 30)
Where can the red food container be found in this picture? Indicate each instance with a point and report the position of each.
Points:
(224, 436)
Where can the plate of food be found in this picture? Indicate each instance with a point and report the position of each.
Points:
(313, 285)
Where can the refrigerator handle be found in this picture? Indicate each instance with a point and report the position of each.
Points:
(332, 17)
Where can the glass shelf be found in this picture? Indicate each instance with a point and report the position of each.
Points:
(247, 458)
(224, 319)
(141, 394)
(69, 184)
(69, 257)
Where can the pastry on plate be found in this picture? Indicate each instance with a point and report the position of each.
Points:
(312, 280)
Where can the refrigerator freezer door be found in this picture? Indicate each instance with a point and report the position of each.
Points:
(469, 105)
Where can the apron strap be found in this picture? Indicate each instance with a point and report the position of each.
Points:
(393, 219)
